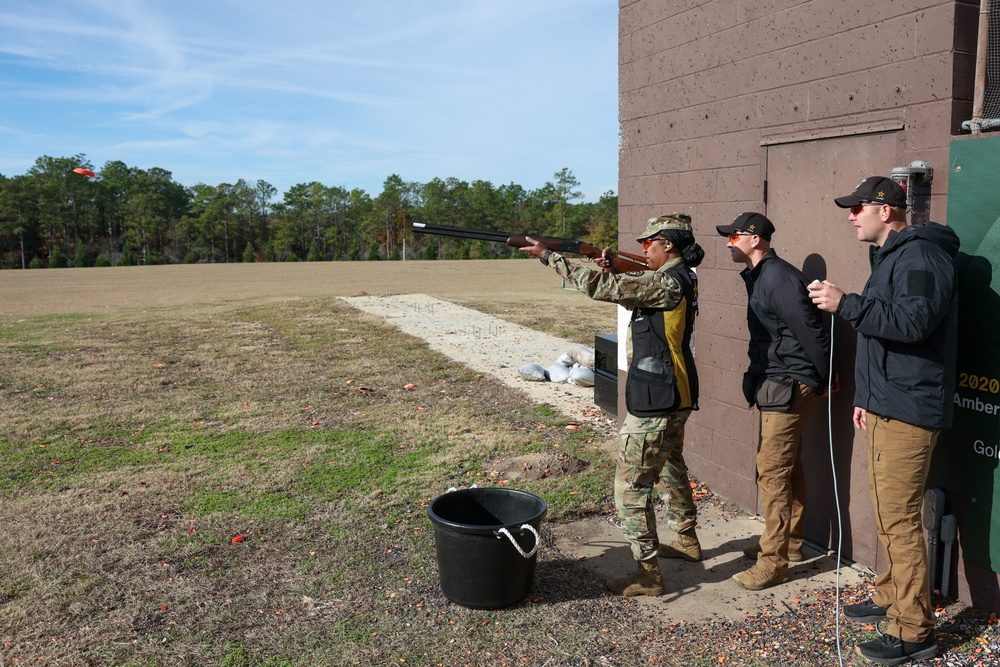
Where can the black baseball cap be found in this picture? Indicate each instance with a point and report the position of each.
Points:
(875, 190)
(753, 223)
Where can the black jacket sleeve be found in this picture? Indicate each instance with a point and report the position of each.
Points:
(922, 285)
(803, 320)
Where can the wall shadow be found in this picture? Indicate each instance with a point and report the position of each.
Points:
(966, 458)
(831, 420)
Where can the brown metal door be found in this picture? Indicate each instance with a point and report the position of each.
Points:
(815, 235)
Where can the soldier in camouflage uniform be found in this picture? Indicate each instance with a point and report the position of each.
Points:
(661, 388)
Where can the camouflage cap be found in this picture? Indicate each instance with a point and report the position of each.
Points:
(662, 223)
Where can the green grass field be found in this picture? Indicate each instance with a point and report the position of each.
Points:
(190, 479)
(227, 465)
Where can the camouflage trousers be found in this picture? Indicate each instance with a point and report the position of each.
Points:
(649, 462)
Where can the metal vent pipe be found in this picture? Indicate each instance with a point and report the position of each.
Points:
(979, 94)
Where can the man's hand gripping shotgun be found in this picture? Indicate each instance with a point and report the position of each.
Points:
(619, 262)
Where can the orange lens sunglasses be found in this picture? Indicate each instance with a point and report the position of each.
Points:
(857, 208)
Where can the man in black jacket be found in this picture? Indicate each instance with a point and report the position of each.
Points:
(906, 319)
(789, 364)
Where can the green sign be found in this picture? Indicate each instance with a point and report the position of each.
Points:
(967, 459)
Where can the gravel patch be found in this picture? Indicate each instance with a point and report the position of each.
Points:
(487, 344)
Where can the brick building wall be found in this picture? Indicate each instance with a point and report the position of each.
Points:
(778, 106)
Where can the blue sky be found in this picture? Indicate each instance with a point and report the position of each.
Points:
(341, 92)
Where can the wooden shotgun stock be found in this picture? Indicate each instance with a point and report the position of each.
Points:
(622, 262)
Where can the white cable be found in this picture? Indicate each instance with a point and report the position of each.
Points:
(836, 495)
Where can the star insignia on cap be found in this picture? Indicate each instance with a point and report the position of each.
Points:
(881, 194)
(752, 228)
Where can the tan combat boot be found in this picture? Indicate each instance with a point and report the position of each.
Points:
(758, 577)
(647, 581)
(686, 546)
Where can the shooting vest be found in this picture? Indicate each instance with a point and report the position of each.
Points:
(662, 377)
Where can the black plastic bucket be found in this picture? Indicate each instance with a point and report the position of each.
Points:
(486, 545)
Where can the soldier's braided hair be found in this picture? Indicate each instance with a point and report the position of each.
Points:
(685, 243)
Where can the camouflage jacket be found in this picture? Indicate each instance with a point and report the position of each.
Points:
(648, 289)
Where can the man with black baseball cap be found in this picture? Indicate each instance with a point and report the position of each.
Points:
(788, 351)
(906, 318)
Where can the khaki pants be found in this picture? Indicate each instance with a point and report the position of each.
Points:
(781, 481)
(899, 456)
(642, 460)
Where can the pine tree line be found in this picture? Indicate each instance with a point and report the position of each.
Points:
(53, 216)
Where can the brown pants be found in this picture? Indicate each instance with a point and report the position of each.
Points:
(781, 480)
(899, 456)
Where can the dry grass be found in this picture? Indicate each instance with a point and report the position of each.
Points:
(152, 416)
(139, 443)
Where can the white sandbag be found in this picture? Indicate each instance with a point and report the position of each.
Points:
(566, 360)
(581, 376)
(582, 355)
(532, 373)
(557, 373)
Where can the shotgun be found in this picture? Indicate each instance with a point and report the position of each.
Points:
(622, 262)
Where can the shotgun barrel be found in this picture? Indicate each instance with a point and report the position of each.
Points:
(621, 263)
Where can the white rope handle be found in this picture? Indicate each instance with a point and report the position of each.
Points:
(529, 554)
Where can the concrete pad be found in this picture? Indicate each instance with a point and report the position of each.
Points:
(696, 591)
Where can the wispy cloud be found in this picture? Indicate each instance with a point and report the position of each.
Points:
(298, 90)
